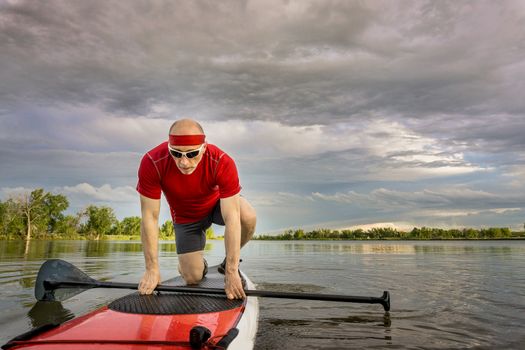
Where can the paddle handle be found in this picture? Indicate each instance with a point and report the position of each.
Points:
(384, 300)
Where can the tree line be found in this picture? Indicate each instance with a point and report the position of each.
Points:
(394, 234)
(40, 215)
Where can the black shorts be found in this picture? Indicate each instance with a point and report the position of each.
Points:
(192, 237)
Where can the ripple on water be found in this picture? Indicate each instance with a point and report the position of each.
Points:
(445, 295)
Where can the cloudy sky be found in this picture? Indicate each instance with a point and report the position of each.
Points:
(338, 113)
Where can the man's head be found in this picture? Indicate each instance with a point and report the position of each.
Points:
(186, 144)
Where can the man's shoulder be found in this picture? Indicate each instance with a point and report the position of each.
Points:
(216, 154)
(158, 153)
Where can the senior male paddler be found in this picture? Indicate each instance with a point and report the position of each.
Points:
(201, 184)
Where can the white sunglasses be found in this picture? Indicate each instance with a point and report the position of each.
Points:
(188, 154)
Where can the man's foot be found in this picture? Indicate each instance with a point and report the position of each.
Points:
(205, 271)
(222, 267)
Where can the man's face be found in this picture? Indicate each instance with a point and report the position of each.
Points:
(183, 157)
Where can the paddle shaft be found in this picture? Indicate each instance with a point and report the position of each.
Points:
(384, 300)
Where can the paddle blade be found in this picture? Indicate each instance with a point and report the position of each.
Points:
(54, 271)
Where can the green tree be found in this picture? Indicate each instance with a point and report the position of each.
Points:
(287, 235)
(506, 232)
(209, 233)
(470, 233)
(360, 234)
(131, 226)
(167, 231)
(3, 219)
(116, 229)
(298, 234)
(12, 223)
(68, 226)
(37, 212)
(32, 209)
(54, 207)
(99, 221)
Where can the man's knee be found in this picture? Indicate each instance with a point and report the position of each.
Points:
(192, 277)
(248, 217)
(248, 222)
(248, 228)
(191, 267)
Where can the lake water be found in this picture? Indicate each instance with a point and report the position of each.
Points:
(445, 294)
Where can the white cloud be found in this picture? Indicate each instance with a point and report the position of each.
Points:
(350, 197)
(104, 193)
(516, 173)
(401, 226)
(458, 200)
(124, 200)
(11, 192)
(278, 199)
(391, 150)
(464, 212)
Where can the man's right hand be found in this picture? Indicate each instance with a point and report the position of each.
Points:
(149, 281)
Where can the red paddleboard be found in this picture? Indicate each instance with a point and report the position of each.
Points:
(158, 321)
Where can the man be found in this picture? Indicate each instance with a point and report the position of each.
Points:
(201, 185)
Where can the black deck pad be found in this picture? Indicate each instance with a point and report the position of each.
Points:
(168, 303)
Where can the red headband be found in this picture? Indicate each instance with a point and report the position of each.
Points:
(186, 140)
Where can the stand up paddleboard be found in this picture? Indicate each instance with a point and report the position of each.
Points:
(175, 317)
(163, 320)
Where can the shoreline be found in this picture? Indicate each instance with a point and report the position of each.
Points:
(137, 239)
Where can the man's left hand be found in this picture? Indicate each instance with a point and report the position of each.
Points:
(233, 286)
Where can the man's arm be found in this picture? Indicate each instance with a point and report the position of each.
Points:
(149, 234)
(231, 213)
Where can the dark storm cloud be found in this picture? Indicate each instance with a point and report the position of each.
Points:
(52, 168)
(495, 133)
(298, 62)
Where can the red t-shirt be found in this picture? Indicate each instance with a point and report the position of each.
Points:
(191, 197)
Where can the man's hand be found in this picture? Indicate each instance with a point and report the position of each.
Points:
(233, 286)
(149, 281)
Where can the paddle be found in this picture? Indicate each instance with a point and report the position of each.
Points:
(59, 280)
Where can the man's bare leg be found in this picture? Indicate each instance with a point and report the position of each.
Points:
(191, 266)
(248, 221)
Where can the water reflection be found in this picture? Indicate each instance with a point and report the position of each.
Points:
(45, 312)
(290, 287)
(383, 321)
(347, 247)
(462, 249)
(395, 247)
(314, 330)
(43, 250)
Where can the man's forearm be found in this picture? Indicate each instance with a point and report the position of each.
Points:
(232, 244)
(149, 234)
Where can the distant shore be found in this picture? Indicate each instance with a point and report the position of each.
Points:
(388, 233)
(385, 234)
